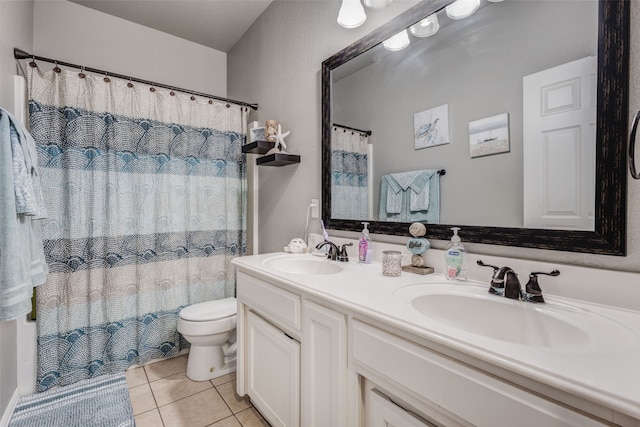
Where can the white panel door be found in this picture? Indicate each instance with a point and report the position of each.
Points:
(324, 367)
(273, 372)
(559, 118)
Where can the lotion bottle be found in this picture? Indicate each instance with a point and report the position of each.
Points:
(364, 245)
(455, 257)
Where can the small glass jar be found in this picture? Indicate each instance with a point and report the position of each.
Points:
(391, 263)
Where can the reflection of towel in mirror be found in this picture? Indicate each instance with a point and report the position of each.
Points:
(410, 196)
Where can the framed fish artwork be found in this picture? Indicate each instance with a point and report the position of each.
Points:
(431, 127)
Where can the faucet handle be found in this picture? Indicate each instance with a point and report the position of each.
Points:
(342, 254)
(532, 291)
(482, 264)
(554, 273)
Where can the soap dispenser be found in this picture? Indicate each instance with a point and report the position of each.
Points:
(364, 245)
(455, 258)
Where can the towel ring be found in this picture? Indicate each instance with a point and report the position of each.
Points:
(632, 146)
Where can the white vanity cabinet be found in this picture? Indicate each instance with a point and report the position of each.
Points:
(314, 352)
(292, 356)
(268, 361)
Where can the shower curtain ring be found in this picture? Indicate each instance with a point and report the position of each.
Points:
(81, 74)
(56, 69)
(130, 84)
(106, 77)
(33, 64)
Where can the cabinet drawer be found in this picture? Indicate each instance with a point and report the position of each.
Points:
(383, 412)
(280, 306)
(476, 397)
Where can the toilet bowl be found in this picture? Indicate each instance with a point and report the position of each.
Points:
(210, 329)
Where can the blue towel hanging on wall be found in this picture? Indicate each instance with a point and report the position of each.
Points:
(22, 261)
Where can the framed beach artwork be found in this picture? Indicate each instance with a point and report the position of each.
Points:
(431, 127)
(489, 136)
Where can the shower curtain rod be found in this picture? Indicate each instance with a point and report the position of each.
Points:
(366, 132)
(21, 54)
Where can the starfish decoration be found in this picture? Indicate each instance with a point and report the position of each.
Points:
(279, 137)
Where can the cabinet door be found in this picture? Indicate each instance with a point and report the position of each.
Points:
(273, 372)
(324, 365)
(384, 413)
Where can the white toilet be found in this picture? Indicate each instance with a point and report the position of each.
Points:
(210, 328)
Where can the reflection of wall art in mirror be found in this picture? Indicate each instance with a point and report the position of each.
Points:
(489, 136)
(431, 127)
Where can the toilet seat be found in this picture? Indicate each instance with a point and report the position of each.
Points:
(210, 310)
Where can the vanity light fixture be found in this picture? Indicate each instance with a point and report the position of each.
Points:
(427, 27)
(351, 14)
(397, 42)
(461, 9)
(377, 4)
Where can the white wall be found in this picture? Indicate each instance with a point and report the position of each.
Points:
(277, 64)
(16, 22)
(74, 33)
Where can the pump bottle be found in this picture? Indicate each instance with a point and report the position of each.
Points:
(364, 246)
(455, 257)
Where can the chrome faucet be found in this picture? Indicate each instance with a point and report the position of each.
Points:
(505, 283)
(333, 249)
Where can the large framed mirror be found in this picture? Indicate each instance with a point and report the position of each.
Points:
(490, 94)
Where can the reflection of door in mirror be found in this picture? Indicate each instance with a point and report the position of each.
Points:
(350, 174)
(559, 119)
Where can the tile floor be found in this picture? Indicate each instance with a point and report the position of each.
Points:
(163, 396)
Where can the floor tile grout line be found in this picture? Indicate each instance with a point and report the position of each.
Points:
(155, 401)
(224, 400)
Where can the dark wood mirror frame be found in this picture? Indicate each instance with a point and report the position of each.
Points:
(610, 233)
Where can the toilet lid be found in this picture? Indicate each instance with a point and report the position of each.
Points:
(210, 310)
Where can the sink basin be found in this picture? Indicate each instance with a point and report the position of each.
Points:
(303, 264)
(501, 320)
(470, 309)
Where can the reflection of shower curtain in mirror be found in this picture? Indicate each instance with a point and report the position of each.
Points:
(349, 174)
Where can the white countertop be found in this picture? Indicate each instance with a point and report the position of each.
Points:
(602, 373)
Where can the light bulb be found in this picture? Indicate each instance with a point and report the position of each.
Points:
(427, 27)
(377, 4)
(397, 42)
(461, 9)
(351, 14)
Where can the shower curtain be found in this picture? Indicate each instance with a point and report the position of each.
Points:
(349, 174)
(146, 194)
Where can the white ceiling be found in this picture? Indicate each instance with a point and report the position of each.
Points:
(218, 24)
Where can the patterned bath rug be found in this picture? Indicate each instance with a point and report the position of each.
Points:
(100, 402)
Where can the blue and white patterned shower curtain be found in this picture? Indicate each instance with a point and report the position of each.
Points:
(146, 195)
(349, 174)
